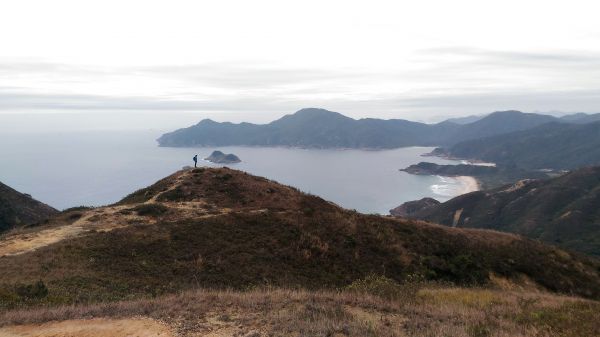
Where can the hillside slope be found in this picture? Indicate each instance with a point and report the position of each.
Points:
(18, 209)
(319, 128)
(221, 228)
(563, 211)
(553, 145)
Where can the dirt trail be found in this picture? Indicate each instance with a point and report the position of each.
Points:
(139, 327)
(101, 219)
(104, 219)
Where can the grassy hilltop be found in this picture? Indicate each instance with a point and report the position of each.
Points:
(245, 240)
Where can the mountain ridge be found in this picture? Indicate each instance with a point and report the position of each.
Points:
(320, 128)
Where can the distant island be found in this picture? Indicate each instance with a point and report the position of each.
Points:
(219, 157)
(320, 128)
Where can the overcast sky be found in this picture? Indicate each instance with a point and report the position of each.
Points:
(257, 60)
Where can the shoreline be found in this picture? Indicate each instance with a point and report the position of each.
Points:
(464, 161)
(469, 184)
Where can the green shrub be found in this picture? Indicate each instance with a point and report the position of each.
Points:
(75, 216)
(225, 177)
(36, 290)
(151, 209)
(77, 208)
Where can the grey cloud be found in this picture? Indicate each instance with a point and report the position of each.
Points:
(233, 75)
(11, 100)
(223, 75)
(400, 106)
(464, 104)
(261, 87)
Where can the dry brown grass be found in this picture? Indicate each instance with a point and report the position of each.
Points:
(439, 311)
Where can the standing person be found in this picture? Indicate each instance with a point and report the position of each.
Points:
(195, 160)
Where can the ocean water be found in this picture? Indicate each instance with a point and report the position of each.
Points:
(100, 167)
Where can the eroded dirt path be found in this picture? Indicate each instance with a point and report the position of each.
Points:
(138, 327)
(104, 219)
(101, 220)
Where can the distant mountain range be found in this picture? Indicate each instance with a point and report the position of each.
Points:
(466, 119)
(20, 209)
(552, 145)
(564, 211)
(319, 128)
(581, 118)
(578, 117)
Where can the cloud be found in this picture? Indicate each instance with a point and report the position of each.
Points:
(234, 75)
(498, 58)
(424, 108)
(437, 107)
(11, 100)
(435, 81)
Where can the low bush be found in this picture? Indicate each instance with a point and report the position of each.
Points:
(36, 290)
(150, 209)
(77, 208)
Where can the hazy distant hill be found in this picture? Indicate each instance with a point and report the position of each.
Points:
(465, 120)
(498, 123)
(222, 228)
(553, 145)
(581, 118)
(315, 128)
(20, 209)
(319, 128)
(563, 210)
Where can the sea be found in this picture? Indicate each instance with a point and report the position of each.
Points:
(93, 168)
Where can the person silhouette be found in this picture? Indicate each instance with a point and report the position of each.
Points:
(195, 160)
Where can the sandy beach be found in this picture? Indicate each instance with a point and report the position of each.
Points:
(469, 184)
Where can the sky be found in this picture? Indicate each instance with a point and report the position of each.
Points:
(258, 60)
